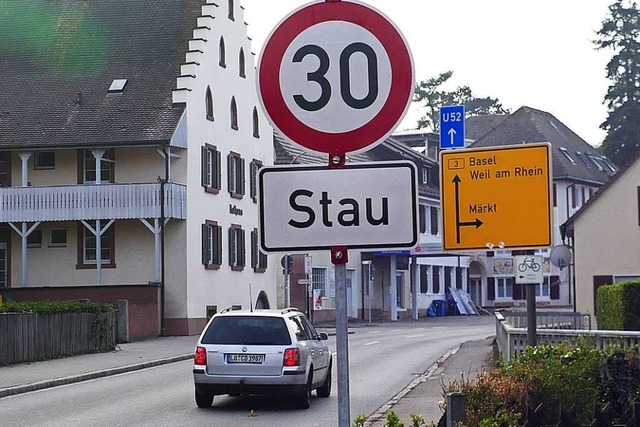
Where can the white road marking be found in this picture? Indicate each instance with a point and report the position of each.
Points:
(415, 336)
(373, 342)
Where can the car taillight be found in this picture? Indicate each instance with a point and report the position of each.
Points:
(292, 357)
(200, 357)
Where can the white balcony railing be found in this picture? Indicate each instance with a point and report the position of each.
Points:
(91, 201)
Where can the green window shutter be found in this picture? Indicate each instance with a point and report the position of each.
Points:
(254, 249)
(554, 287)
(230, 175)
(242, 249)
(491, 288)
(232, 249)
(206, 255)
(218, 245)
(218, 172)
(242, 177)
(203, 167)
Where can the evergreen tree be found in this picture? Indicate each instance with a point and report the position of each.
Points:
(430, 93)
(620, 32)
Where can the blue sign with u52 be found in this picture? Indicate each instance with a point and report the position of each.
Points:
(452, 126)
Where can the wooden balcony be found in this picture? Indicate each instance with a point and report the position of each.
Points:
(92, 201)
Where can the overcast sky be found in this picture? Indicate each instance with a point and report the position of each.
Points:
(534, 53)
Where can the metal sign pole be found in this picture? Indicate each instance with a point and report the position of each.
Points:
(339, 258)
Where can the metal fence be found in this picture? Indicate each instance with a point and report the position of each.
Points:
(28, 337)
(512, 340)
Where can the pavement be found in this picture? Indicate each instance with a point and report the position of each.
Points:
(422, 396)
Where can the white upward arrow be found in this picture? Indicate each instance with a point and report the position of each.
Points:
(452, 134)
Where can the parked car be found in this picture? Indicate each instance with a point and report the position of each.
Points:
(263, 352)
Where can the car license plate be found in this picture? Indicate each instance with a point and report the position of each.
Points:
(245, 358)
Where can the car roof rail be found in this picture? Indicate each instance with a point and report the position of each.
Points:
(232, 308)
(289, 310)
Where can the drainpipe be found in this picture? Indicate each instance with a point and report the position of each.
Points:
(25, 183)
(162, 243)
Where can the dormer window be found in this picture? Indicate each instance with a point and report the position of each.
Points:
(117, 86)
(566, 154)
(424, 175)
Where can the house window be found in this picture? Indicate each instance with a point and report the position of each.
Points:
(231, 11)
(211, 245)
(235, 175)
(236, 247)
(45, 160)
(256, 123)
(241, 64)
(209, 104)
(319, 280)
(211, 175)
(434, 221)
(425, 175)
(234, 114)
(88, 170)
(422, 217)
(504, 287)
(87, 249)
(34, 239)
(258, 258)
(254, 166)
(574, 196)
(542, 290)
(221, 52)
(58, 238)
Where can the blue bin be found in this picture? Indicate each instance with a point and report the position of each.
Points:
(440, 306)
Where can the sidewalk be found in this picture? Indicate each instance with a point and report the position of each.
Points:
(420, 397)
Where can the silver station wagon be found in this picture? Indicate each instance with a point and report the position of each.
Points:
(263, 352)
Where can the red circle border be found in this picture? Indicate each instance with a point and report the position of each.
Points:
(376, 129)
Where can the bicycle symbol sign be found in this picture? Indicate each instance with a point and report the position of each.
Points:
(530, 269)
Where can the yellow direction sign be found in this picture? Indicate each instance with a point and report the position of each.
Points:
(497, 197)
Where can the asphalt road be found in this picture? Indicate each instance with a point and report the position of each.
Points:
(383, 359)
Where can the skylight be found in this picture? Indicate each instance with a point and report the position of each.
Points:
(567, 155)
(117, 86)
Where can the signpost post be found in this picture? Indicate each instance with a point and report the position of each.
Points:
(500, 197)
(335, 77)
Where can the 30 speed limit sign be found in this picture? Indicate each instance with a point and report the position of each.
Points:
(335, 76)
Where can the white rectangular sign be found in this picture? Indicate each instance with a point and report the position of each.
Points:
(529, 269)
(364, 205)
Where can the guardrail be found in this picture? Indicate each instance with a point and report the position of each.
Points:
(513, 340)
(28, 337)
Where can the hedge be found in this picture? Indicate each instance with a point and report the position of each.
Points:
(52, 307)
(617, 306)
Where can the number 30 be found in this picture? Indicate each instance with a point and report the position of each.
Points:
(318, 76)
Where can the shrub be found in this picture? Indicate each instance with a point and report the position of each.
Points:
(616, 306)
(54, 307)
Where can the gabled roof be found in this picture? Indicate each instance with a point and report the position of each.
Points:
(390, 149)
(573, 158)
(475, 127)
(59, 58)
(567, 227)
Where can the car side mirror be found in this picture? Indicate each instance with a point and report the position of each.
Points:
(323, 336)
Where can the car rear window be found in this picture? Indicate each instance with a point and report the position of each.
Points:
(254, 330)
